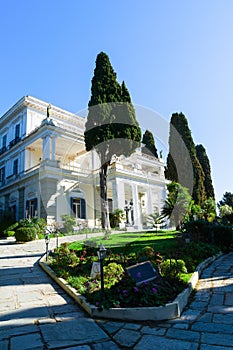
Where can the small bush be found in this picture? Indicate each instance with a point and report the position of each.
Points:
(10, 233)
(113, 273)
(69, 223)
(10, 230)
(172, 267)
(25, 234)
(65, 257)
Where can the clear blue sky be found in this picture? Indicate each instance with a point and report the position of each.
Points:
(175, 56)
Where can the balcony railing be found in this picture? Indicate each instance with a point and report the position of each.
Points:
(3, 149)
(14, 141)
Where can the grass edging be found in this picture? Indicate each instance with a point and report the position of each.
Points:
(156, 313)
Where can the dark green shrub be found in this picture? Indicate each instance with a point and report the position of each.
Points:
(39, 224)
(5, 221)
(223, 235)
(146, 253)
(194, 253)
(25, 234)
(26, 223)
(215, 233)
(199, 230)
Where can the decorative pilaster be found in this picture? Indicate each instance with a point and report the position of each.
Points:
(53, 148)
(21, 211)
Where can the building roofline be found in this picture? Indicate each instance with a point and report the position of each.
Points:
(41, 105)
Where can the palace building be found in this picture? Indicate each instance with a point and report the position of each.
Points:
(45, 170)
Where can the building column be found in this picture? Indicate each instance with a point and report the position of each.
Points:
(150, 209)
(7, 198)
(48, 191)
(118, 194)
(136, 208)
(46, 148)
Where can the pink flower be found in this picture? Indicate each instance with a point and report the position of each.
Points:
(154, 290)
(135, 289)
(125, 292)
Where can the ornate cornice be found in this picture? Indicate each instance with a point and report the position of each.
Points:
(39, 105)
(55, 111)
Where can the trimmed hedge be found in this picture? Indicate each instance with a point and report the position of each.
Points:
(25, 234)
(215, 233)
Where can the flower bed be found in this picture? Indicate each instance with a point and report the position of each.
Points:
(121, 291)
(168, 311)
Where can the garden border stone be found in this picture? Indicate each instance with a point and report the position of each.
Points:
(156, 313)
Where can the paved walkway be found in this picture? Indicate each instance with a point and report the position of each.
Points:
(36, 314)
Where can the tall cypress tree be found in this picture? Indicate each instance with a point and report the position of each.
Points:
(149, 142)
(182, 163)
(204, 161)
(111, 127)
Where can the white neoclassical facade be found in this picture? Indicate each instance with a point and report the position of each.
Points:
(45, 170)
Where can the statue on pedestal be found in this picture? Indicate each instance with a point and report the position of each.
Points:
(48, 111)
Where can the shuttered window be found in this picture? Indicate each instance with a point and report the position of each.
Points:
(78, 208)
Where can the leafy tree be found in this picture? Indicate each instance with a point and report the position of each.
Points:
(226, 199)
(209, 209)
(182, 163)
(111, 127)
(225, 210)
(195, 211)
(149, 142)
(177, 204)
(226, 207)
(204, 161)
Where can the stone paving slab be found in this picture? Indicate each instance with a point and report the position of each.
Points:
(64, 334)
(223, 318)
(14, 331)
(106, 346)
(35, 311)
(149, 342)
(183, 334)
(213, 347)
(127, 337)
(27, 342)
(4, 345)
(217, 339)
(212, 328)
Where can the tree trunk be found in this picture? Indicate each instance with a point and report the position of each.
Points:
(104, 197)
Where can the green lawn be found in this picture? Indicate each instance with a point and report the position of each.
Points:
(135, 241)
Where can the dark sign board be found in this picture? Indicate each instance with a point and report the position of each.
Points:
(143, 272)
